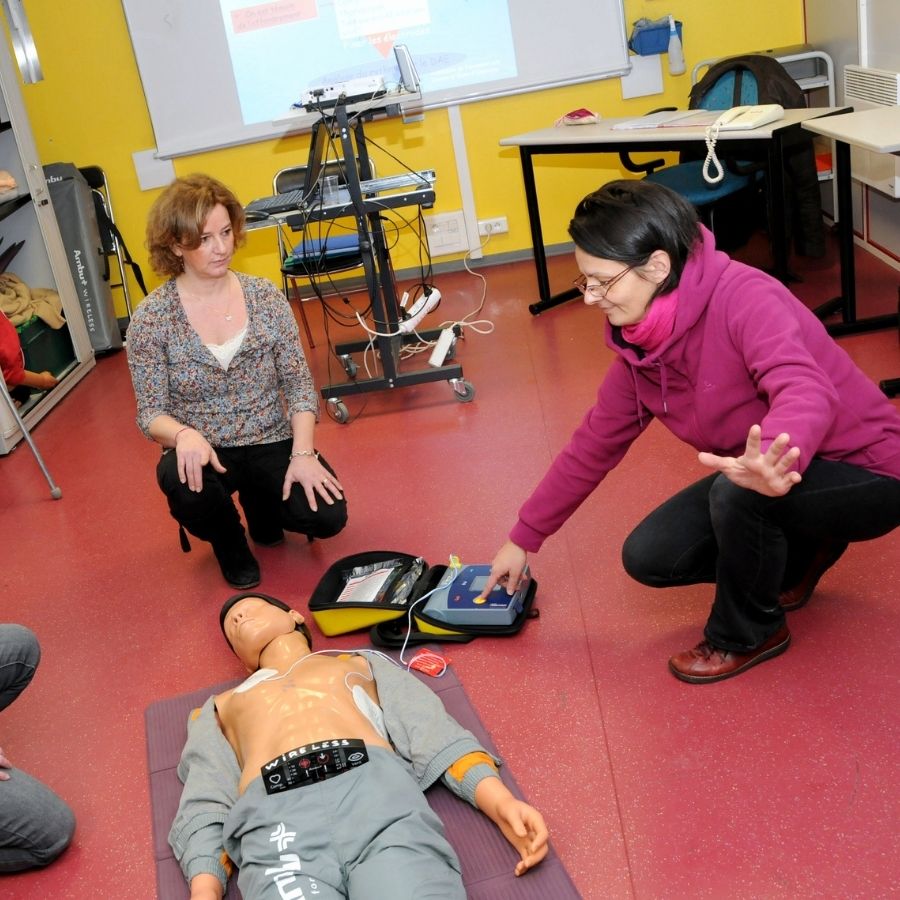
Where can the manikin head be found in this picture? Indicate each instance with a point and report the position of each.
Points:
(252, 621)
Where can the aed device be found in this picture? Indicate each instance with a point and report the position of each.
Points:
(458, 598)
(395, 594)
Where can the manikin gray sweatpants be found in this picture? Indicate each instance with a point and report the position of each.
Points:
(367, 833)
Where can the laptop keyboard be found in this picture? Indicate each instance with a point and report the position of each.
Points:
(293, 201)
(289, 200)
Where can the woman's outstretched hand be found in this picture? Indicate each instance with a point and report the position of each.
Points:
(768, 473)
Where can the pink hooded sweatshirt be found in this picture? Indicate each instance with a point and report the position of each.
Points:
(743, 351)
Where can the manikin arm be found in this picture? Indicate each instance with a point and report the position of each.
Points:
(210, 774)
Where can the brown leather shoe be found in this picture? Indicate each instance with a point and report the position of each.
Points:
(707, 663)
(826, 556)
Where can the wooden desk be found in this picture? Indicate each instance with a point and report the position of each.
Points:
(873, 129)
(603, 138)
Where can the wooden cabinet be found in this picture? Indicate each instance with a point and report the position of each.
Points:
(27, 218)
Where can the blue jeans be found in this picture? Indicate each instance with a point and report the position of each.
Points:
(753, 547)
(35, 825)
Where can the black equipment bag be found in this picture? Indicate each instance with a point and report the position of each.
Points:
(77, 220)
(395, 613)
(109, 234)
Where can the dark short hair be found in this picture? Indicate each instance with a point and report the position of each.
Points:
(178, 216)
(302, 627)
(627, 220)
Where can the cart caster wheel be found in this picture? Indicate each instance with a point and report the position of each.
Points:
(464, 390)
(338, 411)
(350, 367)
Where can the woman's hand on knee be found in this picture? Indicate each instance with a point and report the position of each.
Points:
(315, 480)
(194, 452)
(771, 473)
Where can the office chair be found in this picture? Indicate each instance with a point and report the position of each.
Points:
(333, 251)
(109, 236)
(733, 88)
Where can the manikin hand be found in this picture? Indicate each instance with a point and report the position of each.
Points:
(508, 565)
(766, 473)
(194, 452)
(206, 887)
(521, 824)
(43, 380)
(4, 764)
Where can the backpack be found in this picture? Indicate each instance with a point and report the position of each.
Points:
(773, 83)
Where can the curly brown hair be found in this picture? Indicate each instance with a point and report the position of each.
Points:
(178, 216)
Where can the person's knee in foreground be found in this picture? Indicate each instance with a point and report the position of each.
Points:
(804, 448)
(222, 385)
(35, 825)
(260, 771)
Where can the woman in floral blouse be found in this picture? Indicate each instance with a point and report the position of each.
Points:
(222, 385)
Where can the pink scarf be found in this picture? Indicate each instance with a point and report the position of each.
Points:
(657, 324)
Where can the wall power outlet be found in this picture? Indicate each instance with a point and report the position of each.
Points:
(497, 225)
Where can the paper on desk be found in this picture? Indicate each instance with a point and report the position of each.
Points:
(670, 118)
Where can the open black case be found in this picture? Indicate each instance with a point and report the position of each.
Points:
(377, 589)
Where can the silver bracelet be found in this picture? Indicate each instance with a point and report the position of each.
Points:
(297, 453)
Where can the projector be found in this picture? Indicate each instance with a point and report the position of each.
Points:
(355, 90)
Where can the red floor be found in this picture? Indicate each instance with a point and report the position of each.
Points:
(782, 783)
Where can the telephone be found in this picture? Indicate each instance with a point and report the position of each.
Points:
(738, 118)
(746, 117)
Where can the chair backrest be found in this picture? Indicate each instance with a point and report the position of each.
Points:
(735, 88)
(749, 79)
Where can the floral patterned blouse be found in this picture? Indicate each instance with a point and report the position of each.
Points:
(251, 402)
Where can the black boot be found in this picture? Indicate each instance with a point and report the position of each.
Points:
(239, 567)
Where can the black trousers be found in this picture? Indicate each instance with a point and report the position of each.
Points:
(752, 547)
(256, 473)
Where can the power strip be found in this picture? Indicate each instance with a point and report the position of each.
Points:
(424, 305)
(441, 348)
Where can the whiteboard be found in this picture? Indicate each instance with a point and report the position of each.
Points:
(222, 72)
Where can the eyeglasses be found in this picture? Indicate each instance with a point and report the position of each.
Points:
(601, 288)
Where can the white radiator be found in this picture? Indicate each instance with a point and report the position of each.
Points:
(866, 88)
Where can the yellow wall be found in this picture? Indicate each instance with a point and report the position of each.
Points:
(90, 110)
